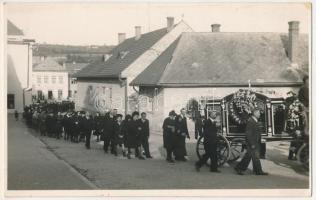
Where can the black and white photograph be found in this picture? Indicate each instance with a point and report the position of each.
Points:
(157, 99)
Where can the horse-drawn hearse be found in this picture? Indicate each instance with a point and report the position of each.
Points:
(281, 119)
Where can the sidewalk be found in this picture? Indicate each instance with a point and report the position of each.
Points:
(31, 166)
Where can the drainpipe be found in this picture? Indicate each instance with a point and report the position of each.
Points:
(124, 81)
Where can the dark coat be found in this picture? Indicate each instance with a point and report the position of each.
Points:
(119, 133)
(87, 125)
(144, 132)
(132, 134)
(98, 124)
(75, 125)
(253, 135)
(124, 130)
(210, 131)
(59, 124)
(182, 127)
(109, 127)
(169, 133)
(303, 95)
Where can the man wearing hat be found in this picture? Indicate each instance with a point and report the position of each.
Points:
(87, 127)
(209, 130)
(253, 141)
(169, 135)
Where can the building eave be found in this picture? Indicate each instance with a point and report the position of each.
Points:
(271, 84)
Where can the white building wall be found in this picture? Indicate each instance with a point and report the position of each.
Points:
(168, 99)
(19, 62)
(50, 86)
(100, 96)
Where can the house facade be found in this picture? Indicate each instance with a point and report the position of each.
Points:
(19, 69)
(106, 84)
(50, 81)
(209, 71)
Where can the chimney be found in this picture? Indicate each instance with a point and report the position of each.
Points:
(137, 32)
(293, 40)
(215, 28)
(170, 23)
(121, 37)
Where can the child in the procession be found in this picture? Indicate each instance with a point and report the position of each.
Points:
(16, 115)
(119, 133)
(133, 135)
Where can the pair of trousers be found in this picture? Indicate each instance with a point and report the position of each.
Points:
(169, 153)
(210, 153)
(109, 142)
(145, 145)
(87, 137)
(137, 152)
(254, 155)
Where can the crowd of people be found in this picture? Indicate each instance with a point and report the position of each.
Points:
(60, 121)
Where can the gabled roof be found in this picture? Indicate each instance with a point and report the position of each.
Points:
(122, 56)
(13, 29)
(73, 68)
(151, 75)
(219, 59)
(49, 65)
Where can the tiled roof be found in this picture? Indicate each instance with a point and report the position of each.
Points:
(49, 65)
(13, 29)
(151, 75)
(72, 68)
(228, 59)
(122, 56)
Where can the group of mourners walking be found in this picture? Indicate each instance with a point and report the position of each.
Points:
(128, 134)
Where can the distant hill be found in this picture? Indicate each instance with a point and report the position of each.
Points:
(80, 54)
(57, 50)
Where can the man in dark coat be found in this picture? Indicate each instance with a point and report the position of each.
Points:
(109, 132)
(80, 118)
(66, 125)
(133, 136)
(75, 128)
(59, 125)
(169, 135)
(144, 134)
(210, 143)
(253, 141)
(182, 134)
(98, 125)
(87, 127)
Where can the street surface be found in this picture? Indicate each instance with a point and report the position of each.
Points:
(36, 163)
(32, 166)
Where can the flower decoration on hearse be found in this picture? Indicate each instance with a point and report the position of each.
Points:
(242, 104)
(295, 117)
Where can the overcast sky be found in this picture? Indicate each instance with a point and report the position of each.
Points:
(99, 23)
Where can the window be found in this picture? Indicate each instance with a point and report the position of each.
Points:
(279, 118)
(60, 79)
(73, 81)
(39, 79)
(45, 79)
(53, 79)
(11, 101)
(50, 94)
(60, 94)
(40, 94)
(69, 93)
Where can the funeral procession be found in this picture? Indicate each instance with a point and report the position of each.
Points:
(121, 97)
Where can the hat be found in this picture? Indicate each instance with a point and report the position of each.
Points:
(135, 113)
(172, 113)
